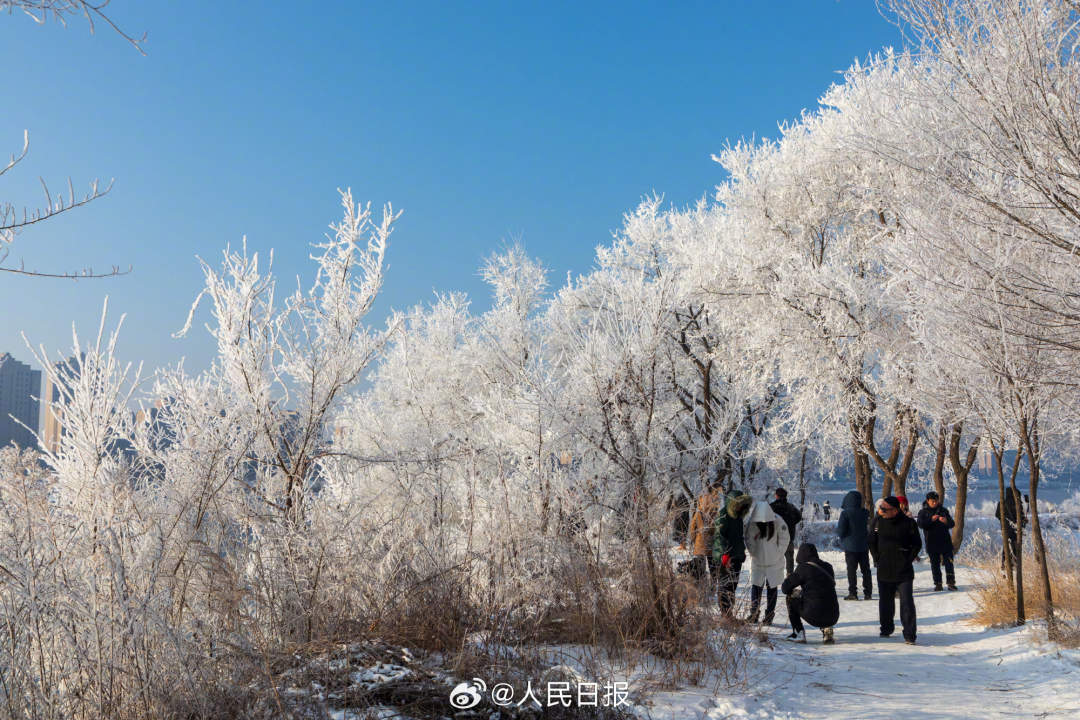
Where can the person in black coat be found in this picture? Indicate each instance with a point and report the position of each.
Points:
(792, 516)
(854, 536)
(935, 521)
(1008, 554)
(894, 545)
(811, 595)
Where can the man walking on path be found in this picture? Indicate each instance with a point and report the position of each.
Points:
(936, 522)
(894, 544)
(854, 539)
(729, 548)
(811, 596)
(827, 509)
(791, 516)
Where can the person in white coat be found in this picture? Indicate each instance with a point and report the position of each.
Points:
(766, 537)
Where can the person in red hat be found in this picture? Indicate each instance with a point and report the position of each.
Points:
(904, 508)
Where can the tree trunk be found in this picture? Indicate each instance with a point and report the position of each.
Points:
(939, 463)
(904, 431)
(1018, 556)
(863, 478)
(867, 490)
(1030, 437)
(802, 476)
(961, 470)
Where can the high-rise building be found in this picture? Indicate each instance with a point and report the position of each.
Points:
(19, 390)
(53, 424)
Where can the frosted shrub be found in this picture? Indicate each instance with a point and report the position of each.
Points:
(153, 563)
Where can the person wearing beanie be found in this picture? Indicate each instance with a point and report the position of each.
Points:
(905, 506)
(811, 596)
(935, 521)
(894, 544)
(729, 548)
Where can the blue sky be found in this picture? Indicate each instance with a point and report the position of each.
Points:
(485, 122)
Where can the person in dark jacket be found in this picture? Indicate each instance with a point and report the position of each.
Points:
(854, 536)
(792, 516)
(1008, 554)
(811, 595)
(729, 549)
(935, 521)
(894, 544)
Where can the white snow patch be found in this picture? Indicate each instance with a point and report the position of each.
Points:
(957, 670)
(379, 674)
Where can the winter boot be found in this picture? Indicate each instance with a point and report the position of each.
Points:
(952, 586)
(851, 596)
(867, 595)
(770, 605)
(827, 636)
(938, 588)
(755, 604)
(797, 636)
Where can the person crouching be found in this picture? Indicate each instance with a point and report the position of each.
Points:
(811, 595)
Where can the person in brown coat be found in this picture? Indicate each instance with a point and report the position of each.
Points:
(701, 537)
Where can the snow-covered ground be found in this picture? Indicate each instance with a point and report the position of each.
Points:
(957, 670)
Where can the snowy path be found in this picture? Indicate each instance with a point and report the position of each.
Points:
(957, 670)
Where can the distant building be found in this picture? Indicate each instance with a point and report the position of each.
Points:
(984, 457)
(19, 390)
(53, 425)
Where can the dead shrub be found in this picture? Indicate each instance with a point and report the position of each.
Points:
(430, 610)
(995, 598)
(627, 614)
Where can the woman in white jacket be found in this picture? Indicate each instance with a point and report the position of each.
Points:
(766, 537)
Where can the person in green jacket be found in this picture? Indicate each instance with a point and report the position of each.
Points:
(729, 549)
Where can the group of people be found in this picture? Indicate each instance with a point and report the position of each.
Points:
(765, 531)
(823, 510)
(724, 532)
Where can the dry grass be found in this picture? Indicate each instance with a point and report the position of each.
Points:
(433, 612)
(669, 636)
(995, 599)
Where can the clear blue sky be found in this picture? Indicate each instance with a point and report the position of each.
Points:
(484, 122)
